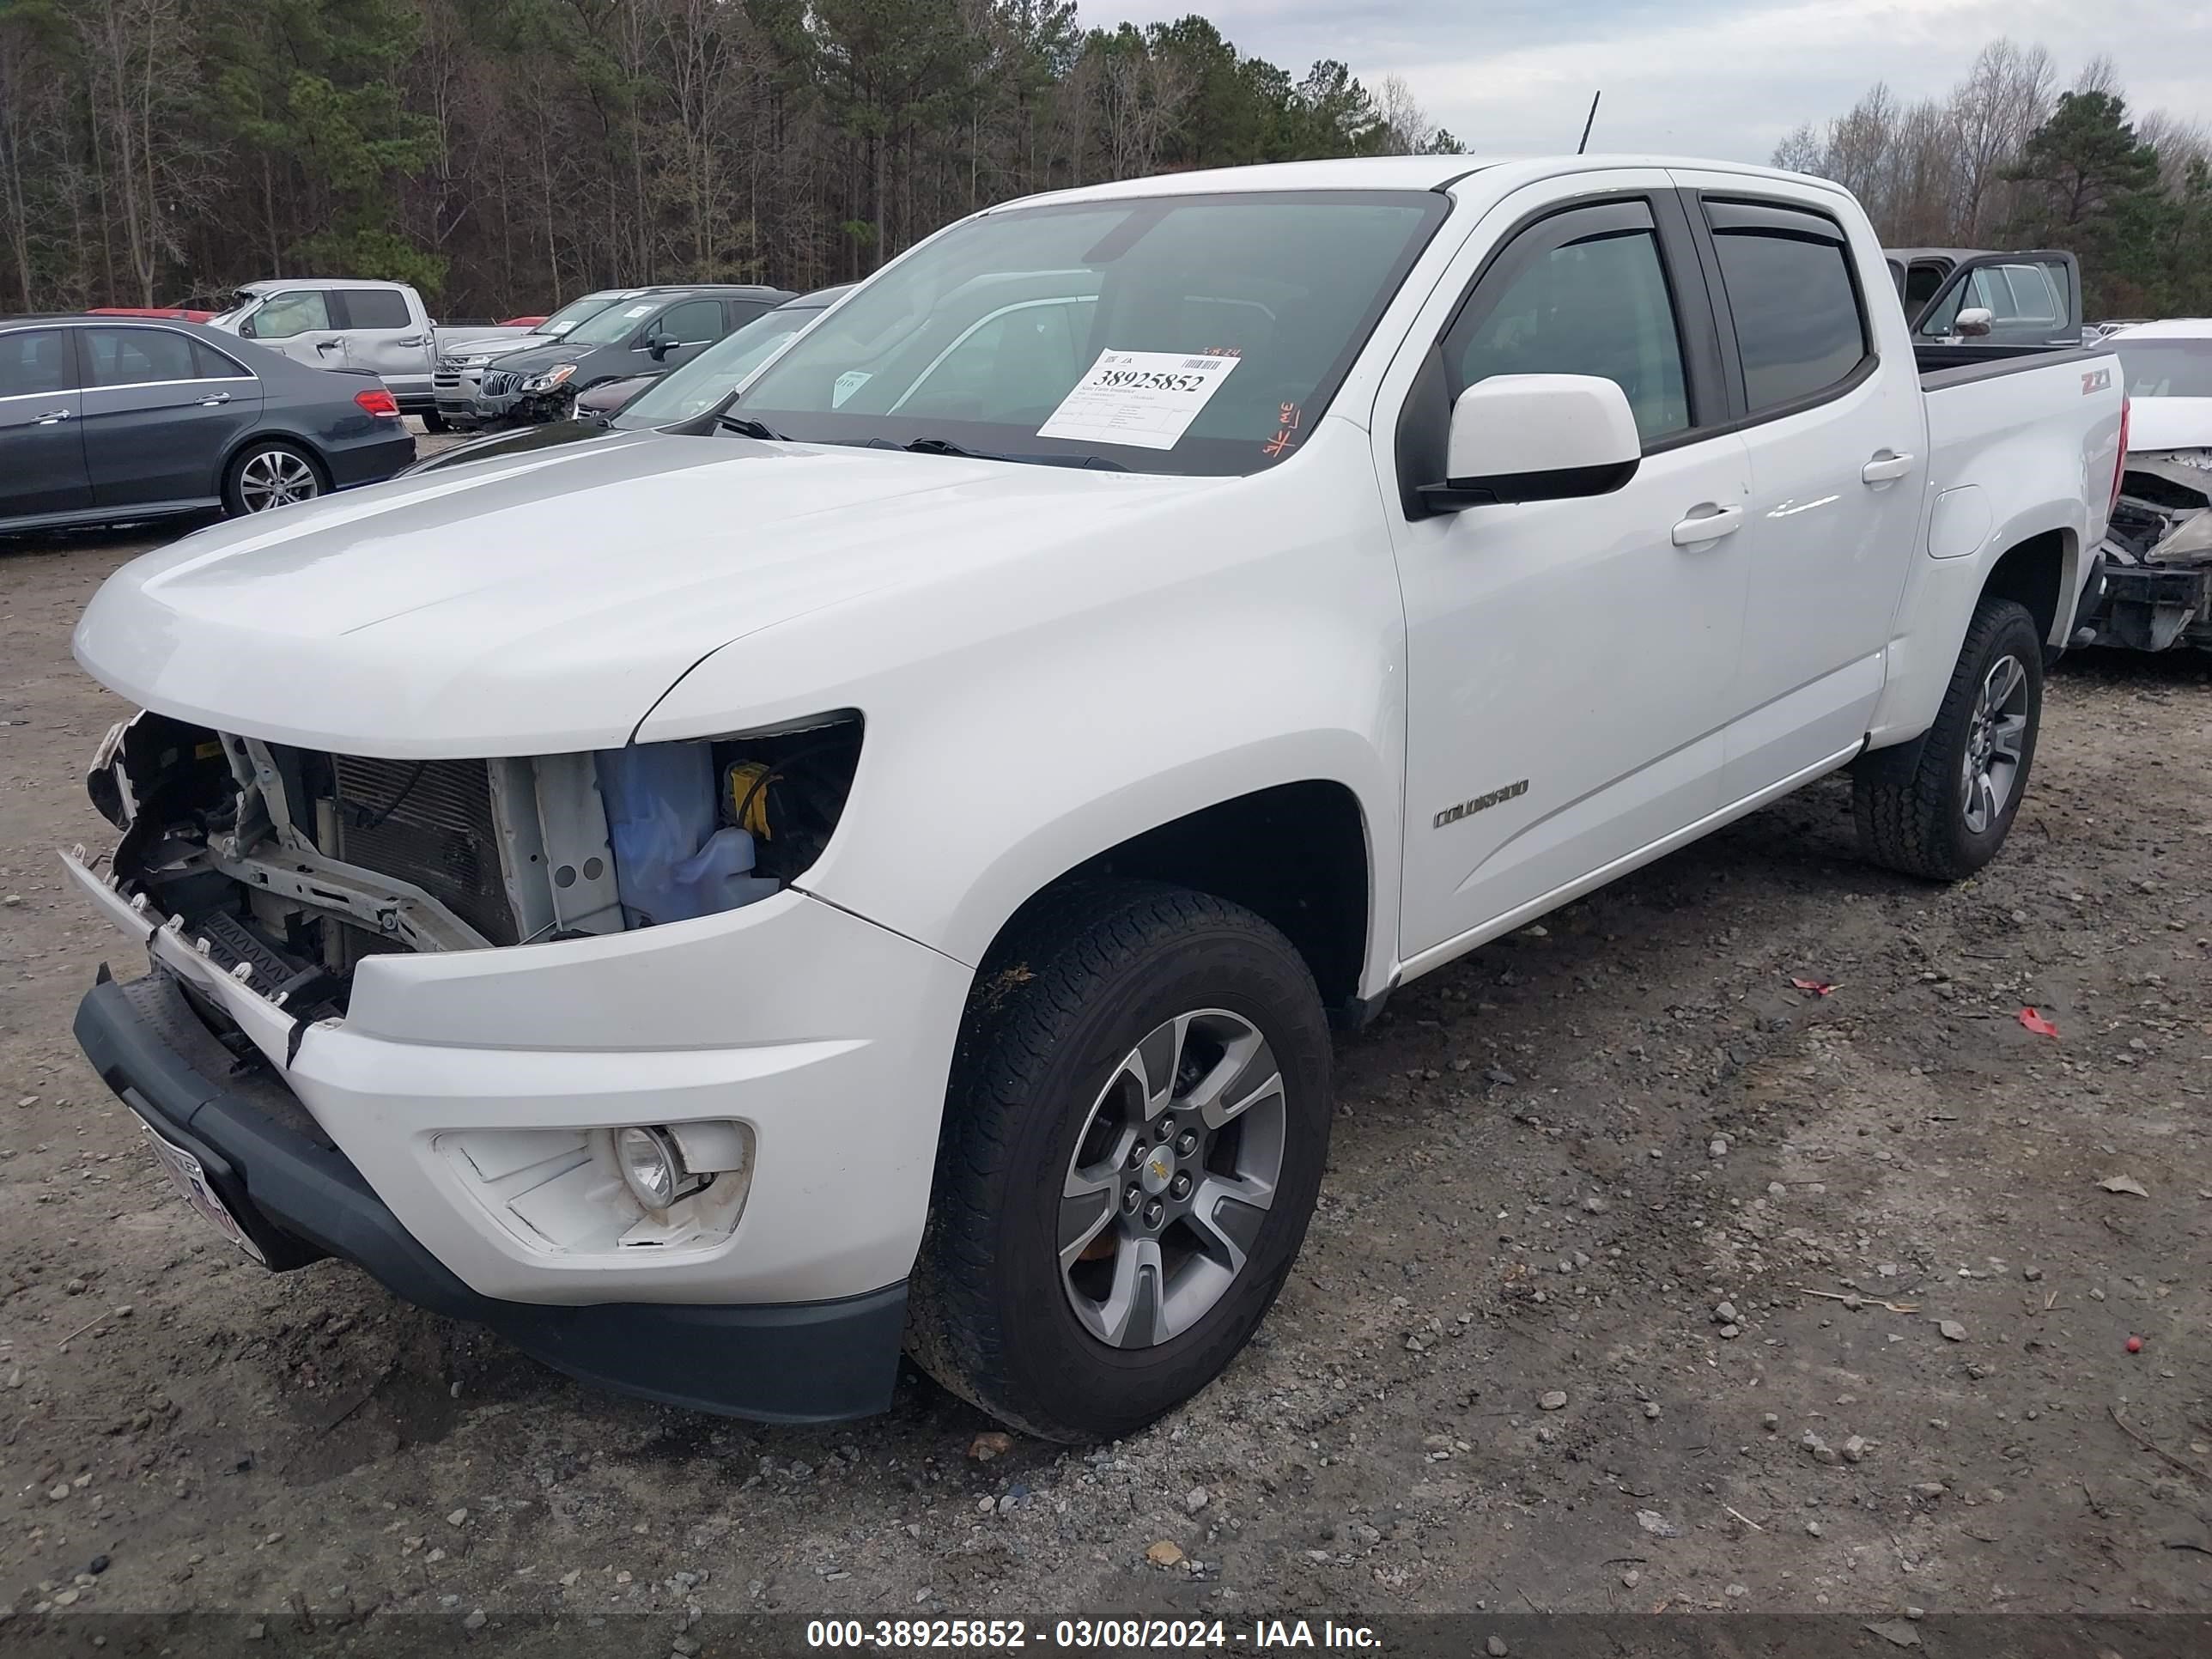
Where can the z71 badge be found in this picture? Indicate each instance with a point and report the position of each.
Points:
(2095, 379)
(1468, 808)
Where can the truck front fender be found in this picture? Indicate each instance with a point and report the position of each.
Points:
(1020, 725)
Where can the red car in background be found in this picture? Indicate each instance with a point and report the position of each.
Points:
(165, 313)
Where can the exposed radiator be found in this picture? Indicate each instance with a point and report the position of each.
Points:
(428, 822)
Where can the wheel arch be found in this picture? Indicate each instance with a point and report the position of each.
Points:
(2041, 572)
(1299, 854)
(258, 434)
(2037, 558)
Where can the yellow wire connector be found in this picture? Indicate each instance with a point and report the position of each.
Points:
(745, 786)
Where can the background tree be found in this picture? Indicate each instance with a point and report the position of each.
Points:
(2006, 161)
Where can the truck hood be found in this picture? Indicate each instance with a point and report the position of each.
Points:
(542, 603)
(498, 345)
(2157, 423)
(544, 354)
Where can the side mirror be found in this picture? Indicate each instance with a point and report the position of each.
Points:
(660, 345)
(247, 331)
(1974, 322)
(1536, 438)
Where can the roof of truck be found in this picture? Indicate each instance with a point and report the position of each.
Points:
(1393, 172)
(2169, 328)
(262, 285)
(1956, 255)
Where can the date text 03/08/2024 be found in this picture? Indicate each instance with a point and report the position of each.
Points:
(1006, 1635)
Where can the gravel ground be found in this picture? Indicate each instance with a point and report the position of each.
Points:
(1643, 1279)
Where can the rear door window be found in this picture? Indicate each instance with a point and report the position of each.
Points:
(34, 362)
(1799, 330)
(135, 356)
(375, 308)
(213, 365)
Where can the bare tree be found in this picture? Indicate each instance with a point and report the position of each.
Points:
(1409, 131)
(2099, 74)
(142, 60)
(2007, 94)
(2180, 140)
(1802, 150)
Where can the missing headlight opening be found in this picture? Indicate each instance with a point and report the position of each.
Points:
(293, 865)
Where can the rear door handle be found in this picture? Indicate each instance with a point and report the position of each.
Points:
(1886, 465)
(414, 341)
(1708, 523)
(52, 418)
(328, 346)
(214, 398)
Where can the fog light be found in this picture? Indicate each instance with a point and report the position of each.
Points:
(653, 1168)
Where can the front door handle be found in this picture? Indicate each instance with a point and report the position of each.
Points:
(1886, 465)
(414, 341)
(214, 399)
(1708, 523)
(52, 418)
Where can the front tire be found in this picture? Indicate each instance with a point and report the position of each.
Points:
(432, 422)
(270, 474)
(1941, 805)
(1134, 1142)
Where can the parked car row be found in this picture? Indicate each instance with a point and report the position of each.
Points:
(707, 383)
(110, 418)
(615, 335)
(140, 413)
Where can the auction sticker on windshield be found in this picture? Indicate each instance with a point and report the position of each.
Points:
(1146, 399)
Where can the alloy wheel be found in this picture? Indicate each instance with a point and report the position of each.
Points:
(1174, 1170)
(1996, 734)
(275, 477)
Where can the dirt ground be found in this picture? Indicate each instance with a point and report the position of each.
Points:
(1554, 1162)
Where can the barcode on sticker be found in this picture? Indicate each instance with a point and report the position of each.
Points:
(1199, 363)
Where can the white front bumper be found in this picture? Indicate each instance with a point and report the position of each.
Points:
(831, 1037)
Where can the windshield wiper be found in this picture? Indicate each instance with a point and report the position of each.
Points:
(748, 428)
(946, 447)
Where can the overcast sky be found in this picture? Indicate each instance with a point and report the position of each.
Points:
(1724, 78)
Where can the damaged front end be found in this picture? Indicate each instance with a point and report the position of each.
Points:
(2151, 588)
(282, 868)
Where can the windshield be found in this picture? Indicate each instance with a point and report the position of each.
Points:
(2166, 369)
(711, 376)
(614, 324)
(1190, 334)
(575, 312)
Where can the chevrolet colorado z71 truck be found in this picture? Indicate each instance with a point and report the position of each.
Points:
(877, 865)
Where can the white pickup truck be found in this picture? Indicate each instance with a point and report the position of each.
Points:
(877, 865)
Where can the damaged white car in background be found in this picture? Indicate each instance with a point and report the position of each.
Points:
(2152, 589)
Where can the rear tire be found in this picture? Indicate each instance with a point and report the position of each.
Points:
(269, 473)
(1100, 1245)
(1941, 805)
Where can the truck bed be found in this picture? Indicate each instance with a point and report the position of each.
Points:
(1953, 365)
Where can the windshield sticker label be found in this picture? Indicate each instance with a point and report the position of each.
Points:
(1146, 399)
(847, 383)
(638, 311)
